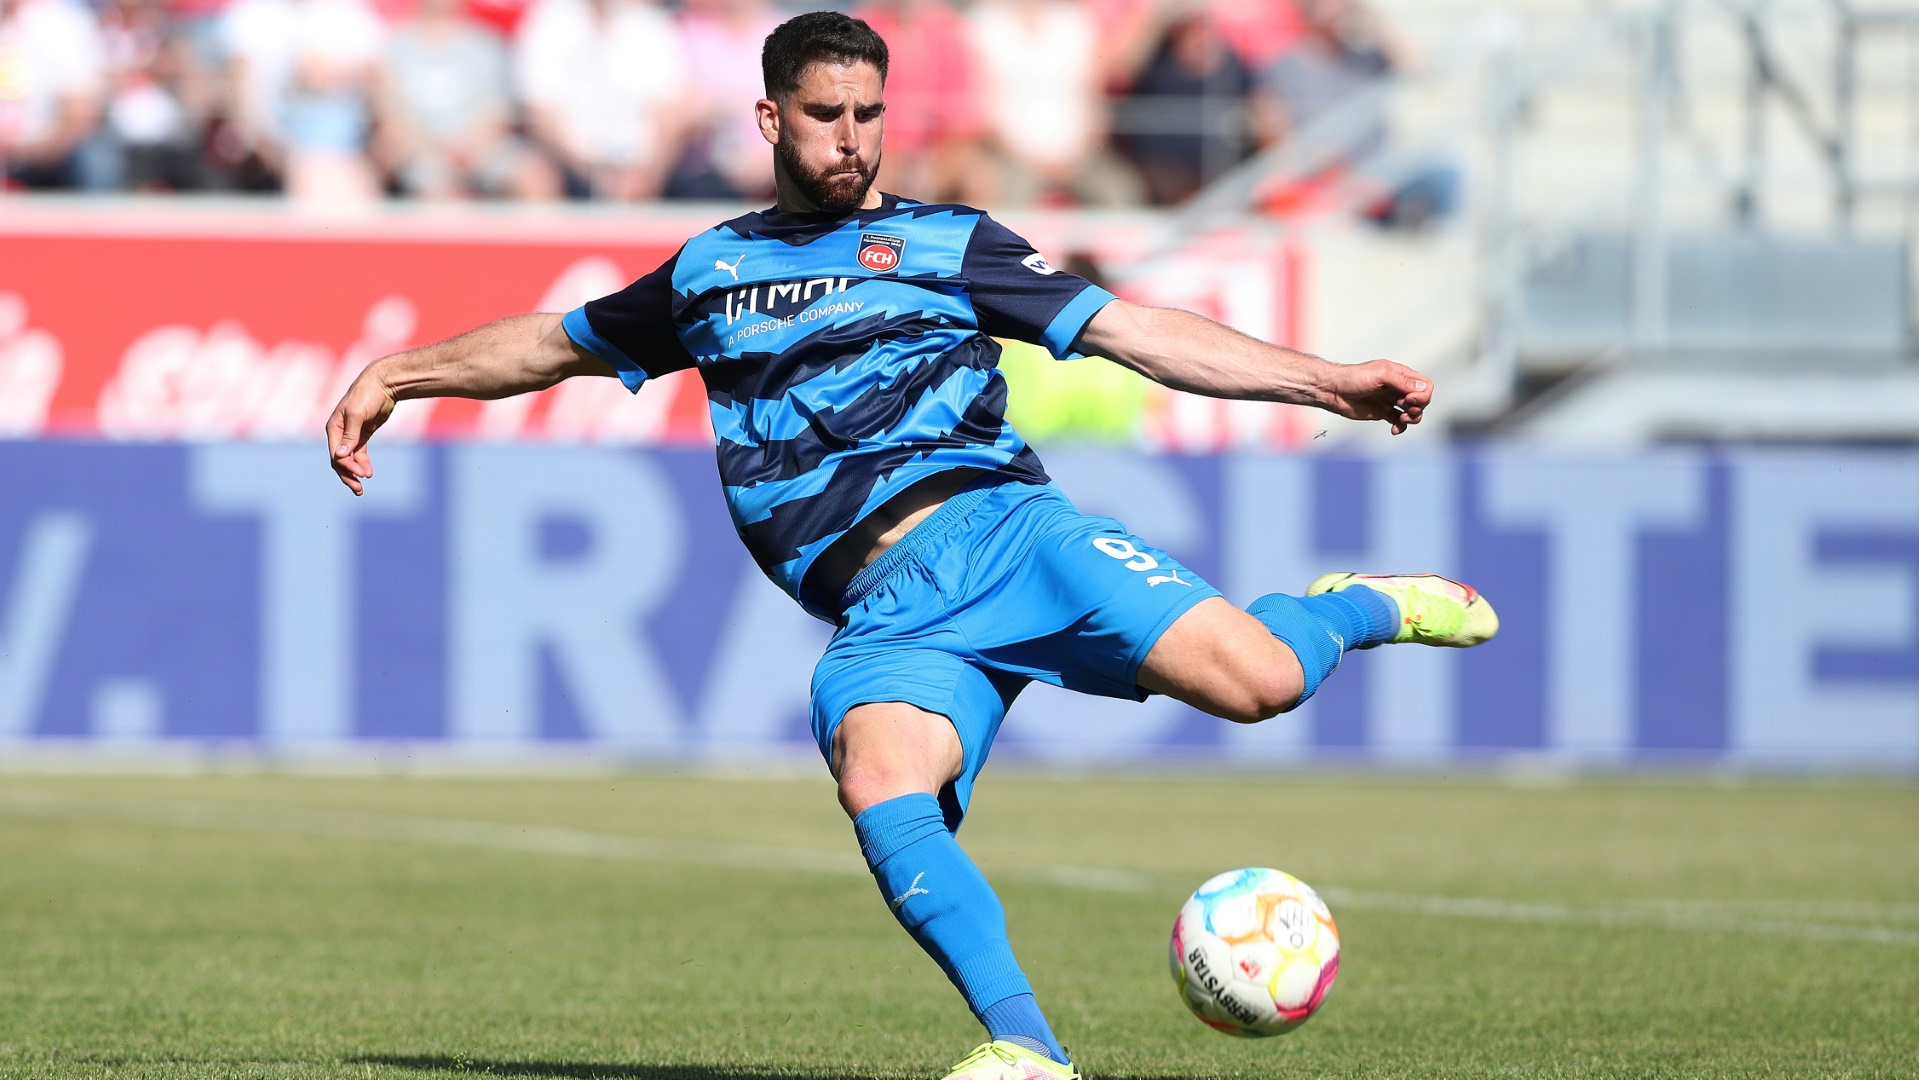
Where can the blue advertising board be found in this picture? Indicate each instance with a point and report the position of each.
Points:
(1742, 607)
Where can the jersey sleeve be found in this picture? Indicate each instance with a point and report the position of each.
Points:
(633, 329)
(1016, 294)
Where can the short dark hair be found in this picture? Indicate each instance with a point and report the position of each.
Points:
(817, 37)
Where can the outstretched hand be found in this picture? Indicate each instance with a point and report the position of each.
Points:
(367, 404)
(1380, 390)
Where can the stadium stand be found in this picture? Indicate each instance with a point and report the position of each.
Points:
(1009, 102)
(1593, 223)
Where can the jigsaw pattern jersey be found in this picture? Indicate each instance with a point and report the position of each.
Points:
(846, 358)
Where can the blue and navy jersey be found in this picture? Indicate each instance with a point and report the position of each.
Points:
(846, 357)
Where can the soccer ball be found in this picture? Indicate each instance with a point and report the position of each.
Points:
(1254, 952)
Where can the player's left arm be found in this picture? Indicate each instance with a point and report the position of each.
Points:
(1189, 352)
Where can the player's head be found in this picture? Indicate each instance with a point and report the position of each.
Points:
(823, 112)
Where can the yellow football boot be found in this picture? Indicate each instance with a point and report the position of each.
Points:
(1432, 610)
(1002, 1060)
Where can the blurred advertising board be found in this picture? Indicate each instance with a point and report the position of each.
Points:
(1742, 608)
(141, 322)
(164, 323)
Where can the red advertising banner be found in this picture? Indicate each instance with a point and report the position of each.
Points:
(222, 321)
(175, 324)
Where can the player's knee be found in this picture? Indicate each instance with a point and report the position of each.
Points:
(860, 789)
(1259, 697)
(886, 750)
(1278, 692)
(1259, 682)
(867, 785)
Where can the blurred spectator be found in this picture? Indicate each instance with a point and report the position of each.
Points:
(932, 120)
(300, 71)
(1078, 401)
(503, 16)
(1128, 31)
(603, 82)
(1258, 31)
(1087, 401)
(727, 158)
(1041, 89)
(52, 83)
(1331, 82)
(327, 114)
(158, 101)
(444, 113)
(198, 26)
(1185, 120)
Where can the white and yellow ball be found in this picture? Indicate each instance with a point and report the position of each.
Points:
(1254, 952)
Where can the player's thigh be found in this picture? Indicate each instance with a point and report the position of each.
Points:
(1078, 601)
(885, 749)
(1223, 661)
(923, 720)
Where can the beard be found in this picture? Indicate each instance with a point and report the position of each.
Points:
(840, 188)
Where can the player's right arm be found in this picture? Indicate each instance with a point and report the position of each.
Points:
(515, 355)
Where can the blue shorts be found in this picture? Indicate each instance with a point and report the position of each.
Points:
(1004, 584)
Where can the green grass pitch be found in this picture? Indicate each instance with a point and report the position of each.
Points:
(705, 927)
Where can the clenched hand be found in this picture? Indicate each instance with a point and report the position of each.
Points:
(1379, 390)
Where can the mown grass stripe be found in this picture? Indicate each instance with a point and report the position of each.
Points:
(1704, 916)
(423, 829)
(1842, 921)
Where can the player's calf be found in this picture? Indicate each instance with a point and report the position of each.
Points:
(1252, 665)
(892, 760)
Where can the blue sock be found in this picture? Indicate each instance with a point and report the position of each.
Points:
(1322, 629)
(943, 900)
(1013, 1018)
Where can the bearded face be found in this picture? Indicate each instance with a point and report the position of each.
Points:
(838, 187)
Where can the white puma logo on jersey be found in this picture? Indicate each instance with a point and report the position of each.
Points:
(1161, 579)
(720, 264)
(911, 891)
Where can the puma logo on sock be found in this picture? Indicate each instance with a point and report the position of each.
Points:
(911, 891)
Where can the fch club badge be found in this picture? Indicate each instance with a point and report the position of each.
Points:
(881, 253)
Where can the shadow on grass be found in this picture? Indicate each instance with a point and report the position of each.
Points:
(589, 1070)
(477, 1068)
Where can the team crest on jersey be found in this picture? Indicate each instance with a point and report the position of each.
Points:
(881, 253)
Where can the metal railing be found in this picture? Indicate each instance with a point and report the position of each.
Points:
(1679, 141)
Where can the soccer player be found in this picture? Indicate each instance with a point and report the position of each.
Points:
(846, 341)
